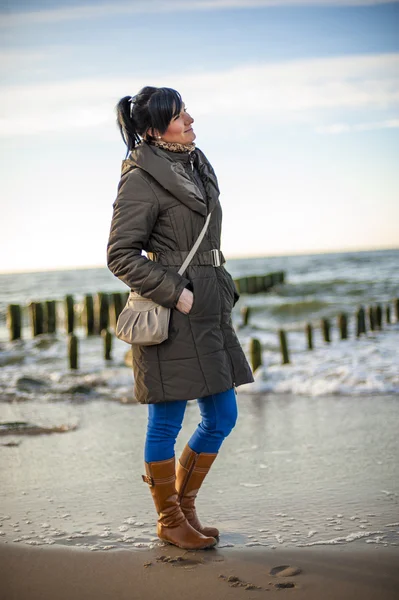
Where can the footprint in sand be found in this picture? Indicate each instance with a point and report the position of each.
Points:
(285, 571)
(179, 561)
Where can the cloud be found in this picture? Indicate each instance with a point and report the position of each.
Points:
(308, 91)
(101, 10)
(12, 59)
(337, 128)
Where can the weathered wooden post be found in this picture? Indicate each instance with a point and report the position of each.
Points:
(276, 277)
(245, 312)
(388, 314)
(116, 307)
(251, 283)
(396, 304)
(371, 318)
(255, 353)
(325, 326)
(36, 317)
(107, 337)
(72, 351)
(50, 319)
(282, 276)
(284, 347)
(309, 336)
(243, 285)
(360, 321)
(343, 326)
(237, 284)
(267, 282)
(88, 314)
(101, 312)
(69, 314)
(260, 285)
(378, 316)
(14, 321)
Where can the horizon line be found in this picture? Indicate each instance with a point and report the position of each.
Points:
(238, 257)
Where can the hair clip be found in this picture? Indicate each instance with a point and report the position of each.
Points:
(131, 105)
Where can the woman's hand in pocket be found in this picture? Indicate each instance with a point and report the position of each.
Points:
(185, 301)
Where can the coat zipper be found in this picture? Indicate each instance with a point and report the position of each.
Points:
(188, 475)
(191, 159)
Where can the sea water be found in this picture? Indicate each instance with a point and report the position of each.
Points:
(316, 286)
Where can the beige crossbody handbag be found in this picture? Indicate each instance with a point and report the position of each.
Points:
(144, 322)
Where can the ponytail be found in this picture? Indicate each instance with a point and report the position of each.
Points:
(126, 123)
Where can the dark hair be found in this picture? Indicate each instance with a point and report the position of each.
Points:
(151, 108)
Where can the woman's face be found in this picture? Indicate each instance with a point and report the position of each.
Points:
(179, 129)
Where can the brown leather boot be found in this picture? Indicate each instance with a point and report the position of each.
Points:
(172, 526)
(190, 473)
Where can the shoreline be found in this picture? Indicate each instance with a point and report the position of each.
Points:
(59, 572)
(296, 472)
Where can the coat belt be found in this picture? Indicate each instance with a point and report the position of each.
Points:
(176, 258)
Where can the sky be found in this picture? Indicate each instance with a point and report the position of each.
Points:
(295, 104)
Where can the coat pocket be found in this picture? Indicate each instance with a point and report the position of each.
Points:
(192, 306)
(232, 287)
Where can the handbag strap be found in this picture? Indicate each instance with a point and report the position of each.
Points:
(195, 247)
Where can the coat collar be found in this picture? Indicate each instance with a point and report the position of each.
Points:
(168, 169)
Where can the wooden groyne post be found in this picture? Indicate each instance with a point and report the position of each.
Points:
(360, 321)
(257, 284)
(101, 312)
(284, 347)
(378, 316)
(245, 312)
(107, 337)
(50, 316)
(69, 314)
(118, 301)
(325, 326)
(72, 351)
(343, 326)
(88, 314)
(255, 353)
(252, 285)
(14, 321)
(309, 336)
(36, 318)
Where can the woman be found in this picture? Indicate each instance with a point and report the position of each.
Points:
(166, 191)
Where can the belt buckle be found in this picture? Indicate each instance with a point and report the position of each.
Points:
(216, 258)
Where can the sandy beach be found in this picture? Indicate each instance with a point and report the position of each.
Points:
(305, 482)
(333, 574)
(295, 471)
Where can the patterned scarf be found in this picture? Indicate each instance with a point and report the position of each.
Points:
(174, 146)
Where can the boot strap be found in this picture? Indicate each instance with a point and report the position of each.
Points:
(151, 481)
(148, 480)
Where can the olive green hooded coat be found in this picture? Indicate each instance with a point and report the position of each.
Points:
(162, 202)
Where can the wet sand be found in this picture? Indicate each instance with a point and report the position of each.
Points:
(311, 483)
(295, 472)
(65, 573)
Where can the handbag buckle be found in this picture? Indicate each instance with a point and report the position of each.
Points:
(216, 258)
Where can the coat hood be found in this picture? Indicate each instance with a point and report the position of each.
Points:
(169, 169)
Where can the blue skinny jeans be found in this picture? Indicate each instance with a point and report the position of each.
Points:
(218, 417)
